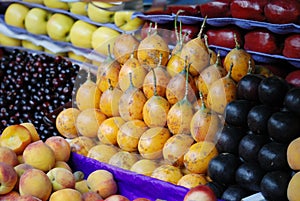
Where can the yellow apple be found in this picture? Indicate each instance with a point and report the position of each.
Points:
(8, 178)
(96, 14)
(9, 41)
(61, 178)
(81, 34)
(40, 185)
(39, 155)
(60, 146)
(67, 194)
(102, 181)
(8, 156)
(56, 4)
(78, 8)
(15, 15)
(34, 17)
(77, 57)
(31, 46)
(124, 20)
(103, 37)
(59, 26)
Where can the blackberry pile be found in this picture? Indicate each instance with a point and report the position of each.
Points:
(32, 86)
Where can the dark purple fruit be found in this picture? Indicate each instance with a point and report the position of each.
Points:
(292, 100)
(247, 87)
(250, 145)
(284, 126)
(274, 185)
(221, 168)
(228, 138)
(234, 193)
(217, 188)
(236, 112)
(272, 90)
(257, 119)
(272, 156)
(248, 175)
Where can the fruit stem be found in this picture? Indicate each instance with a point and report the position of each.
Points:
(218, 61)
(109, 52)
(250, 69)
(187, 67)
(230, 71)
(110, 85)
(237, 45)
(130, 79)
(202, 27)
(154, 75)
(203, 106)
(177, 34)
(88, 74)
(149, 29)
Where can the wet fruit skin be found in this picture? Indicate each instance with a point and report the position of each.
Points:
(234, 193)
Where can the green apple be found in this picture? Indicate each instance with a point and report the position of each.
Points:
(15, 15)
(56, 4)
(29, 45)
(78, 8)
(37, 16)
(59, 26)
(123, 19)
(103, 37)
(9, 41)
(97, 14)
(81, 34)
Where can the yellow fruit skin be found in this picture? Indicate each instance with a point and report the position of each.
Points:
(109, 102)
(168, 173)
(155, 111)
(192, 180)
(179, 117)
(108, 130)
(196, 160)
(65, 122)
(240, 60)
(204, 126)
(150, 49)
(293, 192)
(293, 154)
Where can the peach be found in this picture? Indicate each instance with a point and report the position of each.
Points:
(82, 145)
(79, 175)
(15, 137)
(39, 155)
(33, 132)
(66, 194)
(20, 169)
(11, 196)
(28, 198)
(117, 198)
(141, 199)
(91, 196)
(61, 178)
(293, 154)
(8, 178)
(82, 186)
(8, 156)
(60, 146)
(102, 181)
(62, 164)
(40, 185)
(102, 152)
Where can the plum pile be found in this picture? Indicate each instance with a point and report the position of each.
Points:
(33, 86)
(259, 125)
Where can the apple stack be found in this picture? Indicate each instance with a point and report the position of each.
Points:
(79, 25)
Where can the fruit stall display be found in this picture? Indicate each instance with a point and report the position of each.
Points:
(239, 136)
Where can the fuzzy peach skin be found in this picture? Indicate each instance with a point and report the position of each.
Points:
(60, 146)
(8, 178)
(35, 182)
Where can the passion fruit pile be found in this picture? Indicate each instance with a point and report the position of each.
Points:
(168, 108)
